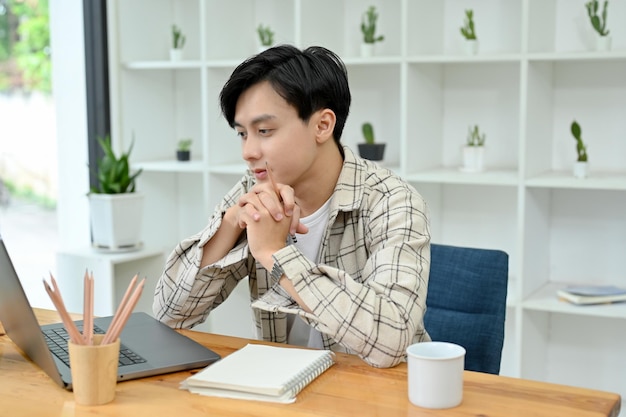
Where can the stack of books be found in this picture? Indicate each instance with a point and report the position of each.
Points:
(592, 294)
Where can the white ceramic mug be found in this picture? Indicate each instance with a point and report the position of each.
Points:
(435, 372)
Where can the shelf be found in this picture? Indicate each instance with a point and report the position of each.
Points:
(534, 73)
(112, 273)
(464, 59)
(577, 56)
(229, 169)
(158, 65)
(113, 257)
(376, 60)
(172, 166)
(223, 63)
(455, 176)
(545, 300)
(595, 181)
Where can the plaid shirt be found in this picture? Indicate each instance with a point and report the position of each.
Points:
(367, 294)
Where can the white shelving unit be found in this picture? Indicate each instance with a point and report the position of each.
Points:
(535, 72)
(112, 273)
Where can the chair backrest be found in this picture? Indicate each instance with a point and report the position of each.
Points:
(466, 302)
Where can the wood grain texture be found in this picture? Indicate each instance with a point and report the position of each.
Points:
(349, 388)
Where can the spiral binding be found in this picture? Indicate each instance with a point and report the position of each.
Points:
(308, 374)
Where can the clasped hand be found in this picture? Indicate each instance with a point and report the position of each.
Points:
(268, 218)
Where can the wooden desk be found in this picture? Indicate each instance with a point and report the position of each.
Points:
(349, 388)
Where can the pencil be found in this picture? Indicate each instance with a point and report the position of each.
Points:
(123, 312)
(87, 310)
(57, 300)
(120, 308)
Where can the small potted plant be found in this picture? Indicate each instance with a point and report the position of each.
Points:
(266, 37)
(368, 28)
(469, 33)
(603, 41)
(581, 166)
(370, 149)
(178, 42)
(115, 207)
(183, 150)
(474, 150)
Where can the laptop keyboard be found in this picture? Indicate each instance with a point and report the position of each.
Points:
(57, 342)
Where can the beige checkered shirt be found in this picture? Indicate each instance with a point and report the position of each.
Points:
(368, 293)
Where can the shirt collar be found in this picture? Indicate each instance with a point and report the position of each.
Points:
(350, 185)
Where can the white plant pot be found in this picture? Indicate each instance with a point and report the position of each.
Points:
(603, 43)
(368, 50)
(471, 46)
(116, 221)
(176, 54)
(473, 159)
(581, 169)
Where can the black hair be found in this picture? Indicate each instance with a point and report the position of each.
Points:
(309, 80)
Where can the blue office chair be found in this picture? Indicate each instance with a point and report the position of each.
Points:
(466, 302)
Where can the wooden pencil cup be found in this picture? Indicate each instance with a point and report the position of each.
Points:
(94, 371)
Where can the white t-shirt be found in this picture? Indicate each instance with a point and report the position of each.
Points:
(300, 333)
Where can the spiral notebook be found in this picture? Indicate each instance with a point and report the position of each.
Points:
(261, 372)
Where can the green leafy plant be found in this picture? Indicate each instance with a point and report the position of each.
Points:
(184, 144)
(113, 173)
(178, 38)
(266, 35)
(468, 30)
(25, 52)
(474, 138)
(581, 149)
(368, 26)
(368, 133)
(598, 22)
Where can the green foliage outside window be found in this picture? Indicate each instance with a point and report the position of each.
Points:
(4, 32)
(25, 46)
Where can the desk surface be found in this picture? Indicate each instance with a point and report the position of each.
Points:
(350, 387)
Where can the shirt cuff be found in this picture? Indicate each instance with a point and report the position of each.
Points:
(277, 299)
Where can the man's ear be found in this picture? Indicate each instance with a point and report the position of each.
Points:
(325, 120)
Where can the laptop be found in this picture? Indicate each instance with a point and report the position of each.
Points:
(148, 347)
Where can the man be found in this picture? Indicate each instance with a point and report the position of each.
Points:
(336, 248)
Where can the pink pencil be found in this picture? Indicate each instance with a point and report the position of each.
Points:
(71, 328)
(117, 325)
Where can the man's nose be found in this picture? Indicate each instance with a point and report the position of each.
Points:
(251, 149)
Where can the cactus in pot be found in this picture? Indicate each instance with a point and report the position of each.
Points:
(368, 26)
(370, 149)
(581, 166)
(467, 30)
(581, 148)
(368, 133)
(266, 36)
(474, 150)
(368, 29)
(178, 42)
(598, 22)
(474, 138)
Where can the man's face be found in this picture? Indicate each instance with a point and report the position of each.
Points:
(272, 133)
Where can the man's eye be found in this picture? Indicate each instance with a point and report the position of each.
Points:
(265, 132)
(241, 135)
